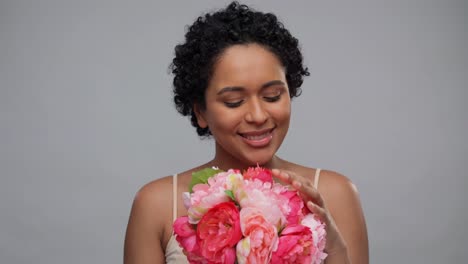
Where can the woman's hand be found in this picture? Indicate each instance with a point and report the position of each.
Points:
(335, 243)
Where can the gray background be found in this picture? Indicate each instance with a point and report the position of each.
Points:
(87, 118)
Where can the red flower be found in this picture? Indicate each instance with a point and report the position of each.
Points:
(260, 173)
(218, 232)
(296, 206)
(295, 245)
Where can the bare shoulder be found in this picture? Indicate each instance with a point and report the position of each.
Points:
(334, 184)
(342, 200)
(151, 210)
(154, 188)
(339, 192)
(155, 199)
(154, 195)
(330, 183)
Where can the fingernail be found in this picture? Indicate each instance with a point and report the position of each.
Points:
(296, 184)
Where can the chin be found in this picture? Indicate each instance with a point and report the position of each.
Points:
(261, 160)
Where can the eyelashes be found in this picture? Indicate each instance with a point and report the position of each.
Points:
(270, 99)
(233, 104)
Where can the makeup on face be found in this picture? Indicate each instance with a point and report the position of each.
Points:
(247, 105)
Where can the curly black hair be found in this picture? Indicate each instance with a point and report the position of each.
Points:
(213, 33)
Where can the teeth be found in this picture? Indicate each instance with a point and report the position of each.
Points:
(258, 137)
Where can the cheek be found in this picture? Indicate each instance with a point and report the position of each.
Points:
(225, 120)
(282, 112)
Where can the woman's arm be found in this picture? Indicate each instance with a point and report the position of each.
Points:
(342, 200)
(145, 230)
(340, 209)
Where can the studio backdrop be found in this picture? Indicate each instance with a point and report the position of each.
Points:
(87, 118)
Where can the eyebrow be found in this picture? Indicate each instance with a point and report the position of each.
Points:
(240, 88)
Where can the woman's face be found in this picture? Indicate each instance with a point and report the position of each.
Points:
(247, 105)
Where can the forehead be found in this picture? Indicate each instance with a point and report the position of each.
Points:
(246, 64)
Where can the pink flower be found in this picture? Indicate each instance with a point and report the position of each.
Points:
(205, 196)
(294, 206)
(187, 237)
(224, 180)
(260, 240)
(235, 218)
(318, 237)
(218, 232)
(295, 245)
(259, 195)
(260, 173)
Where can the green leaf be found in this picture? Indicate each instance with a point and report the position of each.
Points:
(230, 194)
(202, 176)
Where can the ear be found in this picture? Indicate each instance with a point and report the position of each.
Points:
(200, 116)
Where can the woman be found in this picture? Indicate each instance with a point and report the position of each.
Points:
(235, 76)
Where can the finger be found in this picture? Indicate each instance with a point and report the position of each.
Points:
(317, 210)
(282, 175)
(317, 200)
(292, 176)
(308, 192)
(288, 176)
(302, 184)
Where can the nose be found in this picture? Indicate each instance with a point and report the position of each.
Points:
(256, 113)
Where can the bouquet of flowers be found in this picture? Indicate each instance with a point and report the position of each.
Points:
(236, 217)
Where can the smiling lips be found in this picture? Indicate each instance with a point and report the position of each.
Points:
(259, 138)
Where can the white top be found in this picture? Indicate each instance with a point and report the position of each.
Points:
(174, 254)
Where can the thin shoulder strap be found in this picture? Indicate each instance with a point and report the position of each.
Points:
(174, 197)
(316, 178)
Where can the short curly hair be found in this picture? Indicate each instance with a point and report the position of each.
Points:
(213, 33)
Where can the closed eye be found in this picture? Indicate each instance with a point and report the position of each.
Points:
(233, 104)
(272, 98)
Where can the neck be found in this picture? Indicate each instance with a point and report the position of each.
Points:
(225, 161)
